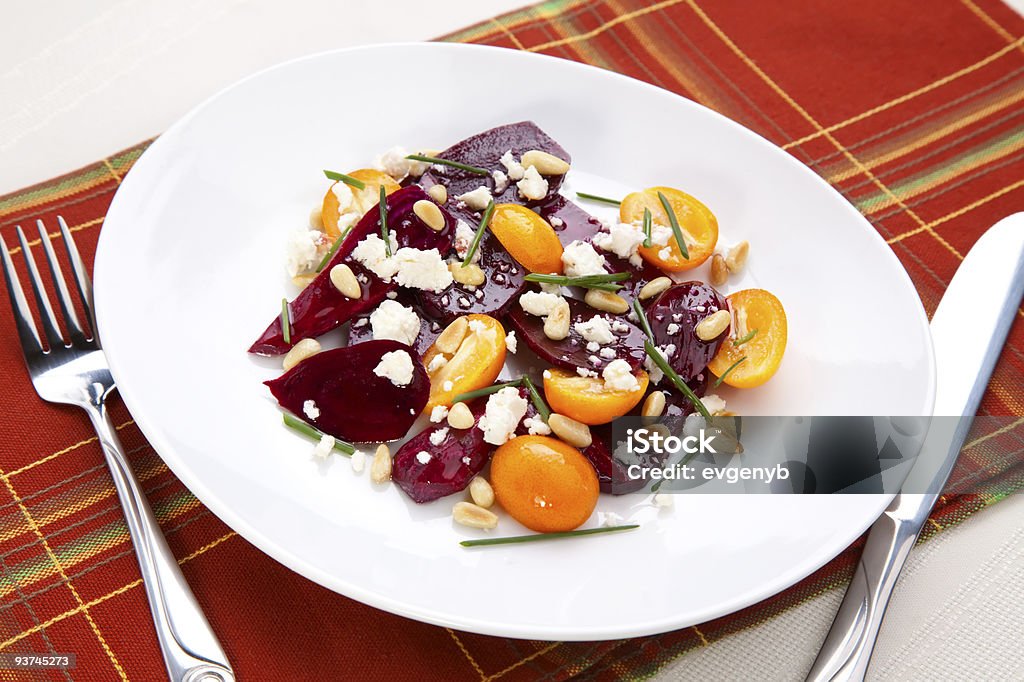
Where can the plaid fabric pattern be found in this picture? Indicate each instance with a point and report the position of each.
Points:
(911, 109)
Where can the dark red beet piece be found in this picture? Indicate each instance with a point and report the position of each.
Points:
(612, 474)
(680, 308)
(321, 307)
(571, 352)
(452, 463)
(355, 404)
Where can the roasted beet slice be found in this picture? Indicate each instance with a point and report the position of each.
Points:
(321, 307)
(353, 402)
(484, 150)
(449, 464)
(674, 316)
(360, 331)
(572, 352)
(504, 281)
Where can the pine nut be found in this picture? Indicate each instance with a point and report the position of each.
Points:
(380, 467)
(460, 417)
(571, 431)
(737, 257)
(713, 325)
(654, 406)
(303, 281)
(300, 351)
(546, 164)
(468, 514)
(316, 218)
(470, 275)
(481, 492)
(719, 270)
(606, 301)
(428, 212)
(438, 193)
(654, 287)
(344, 280)
(556, 325)
(451, 338)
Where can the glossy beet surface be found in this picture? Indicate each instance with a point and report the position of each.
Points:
(354, 403)
(448, 466)
(673, 317)
(320, 307)
(571, 352)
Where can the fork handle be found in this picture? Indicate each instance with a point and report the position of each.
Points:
(190, 649)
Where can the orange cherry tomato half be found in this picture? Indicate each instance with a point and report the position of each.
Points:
(586, 399)
(475, 364)
(544, 484)
(527, 237)
(696, 222)
(362, 199)
(759, 318)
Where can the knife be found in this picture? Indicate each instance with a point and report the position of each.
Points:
(968, 330)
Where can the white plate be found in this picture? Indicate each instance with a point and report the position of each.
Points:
(189, 271)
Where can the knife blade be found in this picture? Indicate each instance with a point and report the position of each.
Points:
(968, 330)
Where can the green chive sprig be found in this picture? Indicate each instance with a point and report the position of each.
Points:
(676, 230)
(286, 322)
(602, 282)
(743, 339)
(595, 197)
(540, 537)
(641, 319)
(719, 380)
(486, 390)
(538, 401)
(475, 244)
(333, 250)
(384, 221)
(676, 380)
(347, 179)
(445, 162)
(305, 429)
(648, 225)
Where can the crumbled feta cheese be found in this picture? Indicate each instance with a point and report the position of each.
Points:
(502, 415)
(476, 326)
(580, 259)
(447, 386)
(511, 343)
(547, 374)
(465, 301)
(672, 329)
(310, 409)
(514, 168)
(477, 199)
(618, 376)
(663, 500)
(678, 317)
(438, 413)
(713, 403)
(607, 353)
(540, 303)
(551, 288)
(665, 253)
(593, 346)
(324, 447)
(303, 250)
(536, 426)
(396, 367)
(394, 321)
(596, 330)
(500, 181)
(653, 371)
(622, 239)
(464, 235)
(422, 269)
(594, 360)
(619, 326)
(423, 457)
(436, 363)
(372, 254)
(584, 372)
(532, 186)
(437, 437)
(608, 519)
(358, 461)
(556, 221)
(394, 163)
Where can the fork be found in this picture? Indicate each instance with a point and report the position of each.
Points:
(76, 373)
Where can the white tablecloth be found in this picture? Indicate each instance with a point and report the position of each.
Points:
(79, 81)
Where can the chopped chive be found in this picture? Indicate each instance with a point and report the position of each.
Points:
(487, 390)
(446, 162)
(333, 250)
(676, 380)
(595, 197)
(286, 322)
(743, 339)
(719, 380)
(648, 220)
(675, 225)
(347, 179)
(602, 282)
(384, 221)
(316, 434)
(641, 318)
(538, 401)
(540, 537)
(479, 233)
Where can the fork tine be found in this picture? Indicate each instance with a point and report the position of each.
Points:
(67, 307)
(22, 314)
(50, 328)
(81, 275)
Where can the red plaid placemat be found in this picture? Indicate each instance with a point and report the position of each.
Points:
(911, 109)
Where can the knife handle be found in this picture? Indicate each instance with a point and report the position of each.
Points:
(851, 639)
